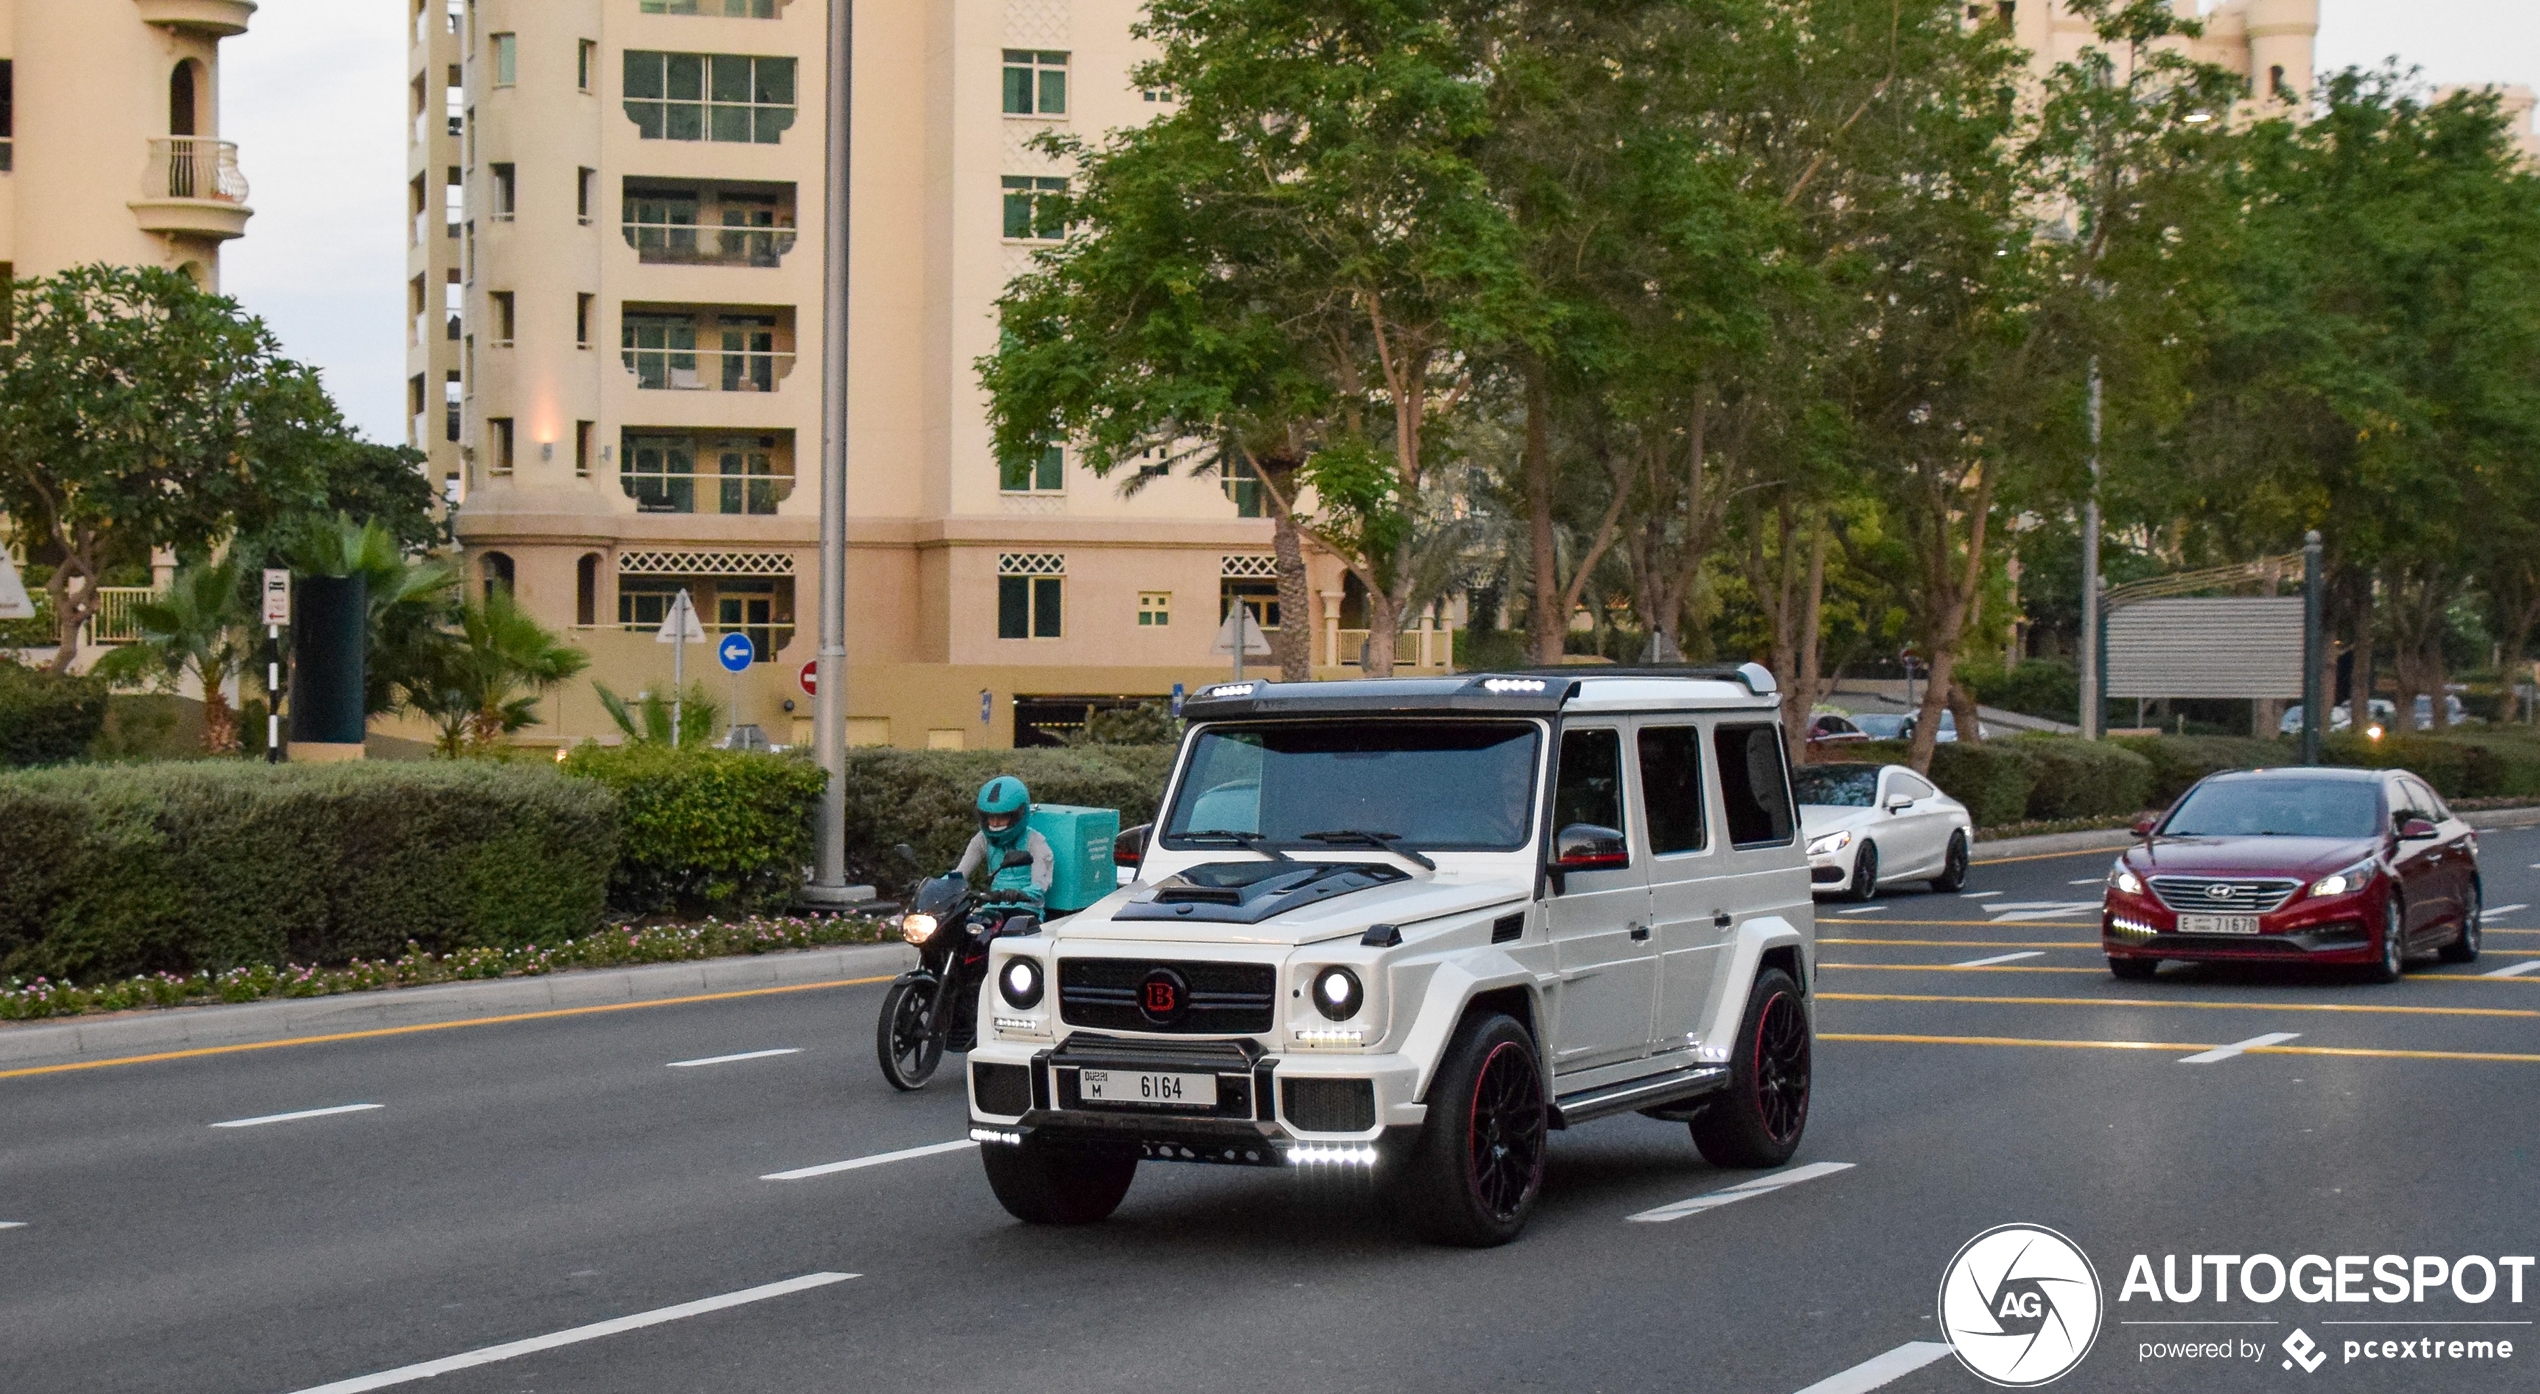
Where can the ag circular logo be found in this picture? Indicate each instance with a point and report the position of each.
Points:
(2020, 1305)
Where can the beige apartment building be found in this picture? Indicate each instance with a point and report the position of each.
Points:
(110, 144)
(614, 361)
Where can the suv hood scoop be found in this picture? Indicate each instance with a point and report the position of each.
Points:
(1250, 892)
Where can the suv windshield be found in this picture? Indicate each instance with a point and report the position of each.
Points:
(2278, 808)
(1440, 786)
(1836, 786)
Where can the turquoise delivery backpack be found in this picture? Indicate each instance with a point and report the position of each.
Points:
(1080, 845)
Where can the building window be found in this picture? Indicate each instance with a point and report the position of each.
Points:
(506, 192)
(1155, 608)
(665, 347)
(506, 59)
(1032, 208)
(583, 432)
(741, 474)
(1243, 485)
(454, 100)
(453, 303)
(586, 60)
(1260, 597)
(499, 432)
(709, 96)
(729, 9)
(1040, 471)
(2275, 80)
(419, 307)
(1031, 590)
(676, 224)
(470, 152)
(660, 350)
(467, 252)
(1035, 83)
(453, 391)
(454, 200)
(415, 389)
(497, 571)
(761, 607)
(582, 319)
(584, 181)
(586, 590)
(504, 320)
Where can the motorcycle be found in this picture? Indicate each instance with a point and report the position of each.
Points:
(935, 1006)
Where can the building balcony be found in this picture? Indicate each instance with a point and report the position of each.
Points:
(217, 19)
(709, 224)
(192, 186)
(706, 348)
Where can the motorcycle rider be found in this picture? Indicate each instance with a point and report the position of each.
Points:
(1004, 804)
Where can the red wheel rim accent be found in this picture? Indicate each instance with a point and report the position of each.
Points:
(1504, 1134)
(1780, 1073)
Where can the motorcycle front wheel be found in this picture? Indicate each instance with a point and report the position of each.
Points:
(905, 1039)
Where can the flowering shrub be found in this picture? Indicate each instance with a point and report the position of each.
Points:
(23, 1000)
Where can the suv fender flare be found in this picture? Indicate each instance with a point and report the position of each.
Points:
(1756, 939)
(1451, 989)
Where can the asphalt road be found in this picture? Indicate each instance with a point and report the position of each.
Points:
(516, 1181)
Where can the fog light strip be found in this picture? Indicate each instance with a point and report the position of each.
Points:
(1362, 1154)
(1713, 1200)
(996, 1135)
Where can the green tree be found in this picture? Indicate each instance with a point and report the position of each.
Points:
(198, 628)
(411, 600)
(647, 720)
(486, 683)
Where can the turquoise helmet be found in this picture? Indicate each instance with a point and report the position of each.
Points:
(1004, 795)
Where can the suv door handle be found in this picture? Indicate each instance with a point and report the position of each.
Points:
(1720, 919)
(1640, 931)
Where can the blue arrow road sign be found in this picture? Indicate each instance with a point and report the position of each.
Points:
(735, 651)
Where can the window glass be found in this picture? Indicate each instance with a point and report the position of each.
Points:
(1754, 790)
(1911, 786)
(1032, 208)
(1284, 781)
(1836, 786)
(1045, 606)
(506, 59)
(1035, 83)
(1030, 607)
(1155, 608)
(1039, 471)
(732, 98)
(1590, 787)
(1671, 788)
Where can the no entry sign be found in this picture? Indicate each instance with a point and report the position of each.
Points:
(810, 677)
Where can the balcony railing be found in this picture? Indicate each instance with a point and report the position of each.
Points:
(112, 622)
(707, 370)
(194, 167)
(680, 244)
(720, 493)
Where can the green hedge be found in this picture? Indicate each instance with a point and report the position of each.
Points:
(705, 830)
(115, 870)
(45, 719)
(1991, 778)
(2083, 779)
(2180, 761)
(2456, 768)
(926, 798)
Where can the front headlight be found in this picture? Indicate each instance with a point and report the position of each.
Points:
(1830, 844)
(917, 928)
(2125, 880)
(1337, 993)
(2352, 878)
(1020, 984)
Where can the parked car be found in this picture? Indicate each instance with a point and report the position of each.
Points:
(2384, 713)
(1899, 726)
(2297, 865)
(1871, 825)
(1409, 925)
(1829, 730)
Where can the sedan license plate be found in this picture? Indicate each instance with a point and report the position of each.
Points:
(2217, 924)
(1143, 1087)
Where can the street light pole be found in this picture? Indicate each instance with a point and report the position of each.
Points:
(2090, 704)
(829, 704)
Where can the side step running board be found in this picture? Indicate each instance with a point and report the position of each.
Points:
(1649, 1092)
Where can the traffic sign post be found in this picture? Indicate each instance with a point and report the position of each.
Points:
(736, 653)
(809, 677)
(1253, 643)
(277, 613)
(679, 630)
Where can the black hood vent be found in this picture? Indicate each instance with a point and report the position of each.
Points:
(1250, 892)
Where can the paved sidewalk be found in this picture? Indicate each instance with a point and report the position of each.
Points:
(186, 1028)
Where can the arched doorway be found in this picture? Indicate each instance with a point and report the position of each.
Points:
(182, 106)
(497, 570)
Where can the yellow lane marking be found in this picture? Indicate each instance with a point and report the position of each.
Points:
(549, 1015)
(2049, 856)
(1974, 943)
(1952, 968)
(2176, 1046)
(2008, 922)
(2198, 1006)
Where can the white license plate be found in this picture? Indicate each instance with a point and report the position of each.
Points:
(1141, 1087)
(2217, 924)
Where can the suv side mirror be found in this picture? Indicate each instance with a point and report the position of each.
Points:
(1130, 847)
(1587, 847)
(2416, 830)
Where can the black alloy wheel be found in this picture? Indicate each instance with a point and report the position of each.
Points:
(1953, 866)
(1865, 873)
(2393, 961)
(2134, 970)
(1757, 1120)
(2464, 947)
(1472, 1177)
(904, 1039)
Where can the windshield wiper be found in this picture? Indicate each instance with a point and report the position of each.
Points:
(1390, 842)
(1250, 842)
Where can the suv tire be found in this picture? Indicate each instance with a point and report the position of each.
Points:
(1953, 866)
(1042, 1185)
(1472, 1177)
(1865, 873)
(1757, 1120)
(2465, 948)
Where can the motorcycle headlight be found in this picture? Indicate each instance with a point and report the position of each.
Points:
(1830, 844)
(917, 928)
(2352, 878)
(1019, 983)
(2125, 880)
(1337, 993)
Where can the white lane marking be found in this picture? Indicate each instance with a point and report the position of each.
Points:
(2089, 881)
(2514, 972)
(728, 1059)
(2226, 1052)
(1862, 910)
(1976, 895)
(12, 1224)
(1879, 1370)
(513, 1349)
(2504, 909)
(296, 1117)
(2039, 909)
(2000, 958)
(858, 1163)
(1713, 1200)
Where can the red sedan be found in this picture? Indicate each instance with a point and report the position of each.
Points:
(2309, 865)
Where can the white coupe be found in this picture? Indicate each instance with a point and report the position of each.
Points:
(1874, 825)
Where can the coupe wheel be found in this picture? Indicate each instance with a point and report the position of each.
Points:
(1757, 1120)
(1953, 867)
(904, 1039)
(2465, 948)
(2134, 970)
(2394, 943)
(1473, 1176)
(1865, 874)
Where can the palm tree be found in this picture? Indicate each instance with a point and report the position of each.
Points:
(199, 626)
(410, 601)
(646, 720)
(484, 682)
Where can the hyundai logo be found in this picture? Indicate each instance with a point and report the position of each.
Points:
(2222, 891)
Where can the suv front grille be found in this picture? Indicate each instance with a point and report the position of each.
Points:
(1109, 994)
(2225, 895)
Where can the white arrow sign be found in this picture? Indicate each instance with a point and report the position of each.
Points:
(14, 602)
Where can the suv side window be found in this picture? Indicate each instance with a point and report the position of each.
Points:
(1754, 785)
(1590, 785)
(1671, 788)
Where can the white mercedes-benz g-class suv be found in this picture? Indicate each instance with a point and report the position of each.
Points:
(1410, 925)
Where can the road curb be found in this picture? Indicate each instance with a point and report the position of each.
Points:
(181, 1028)
(2110, 839)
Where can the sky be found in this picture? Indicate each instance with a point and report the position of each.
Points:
(314, 95)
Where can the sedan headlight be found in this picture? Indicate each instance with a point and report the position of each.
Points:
(2353, 878)
(2125, 880)
(1019, 982)
(917, 928)
(1830, 844)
